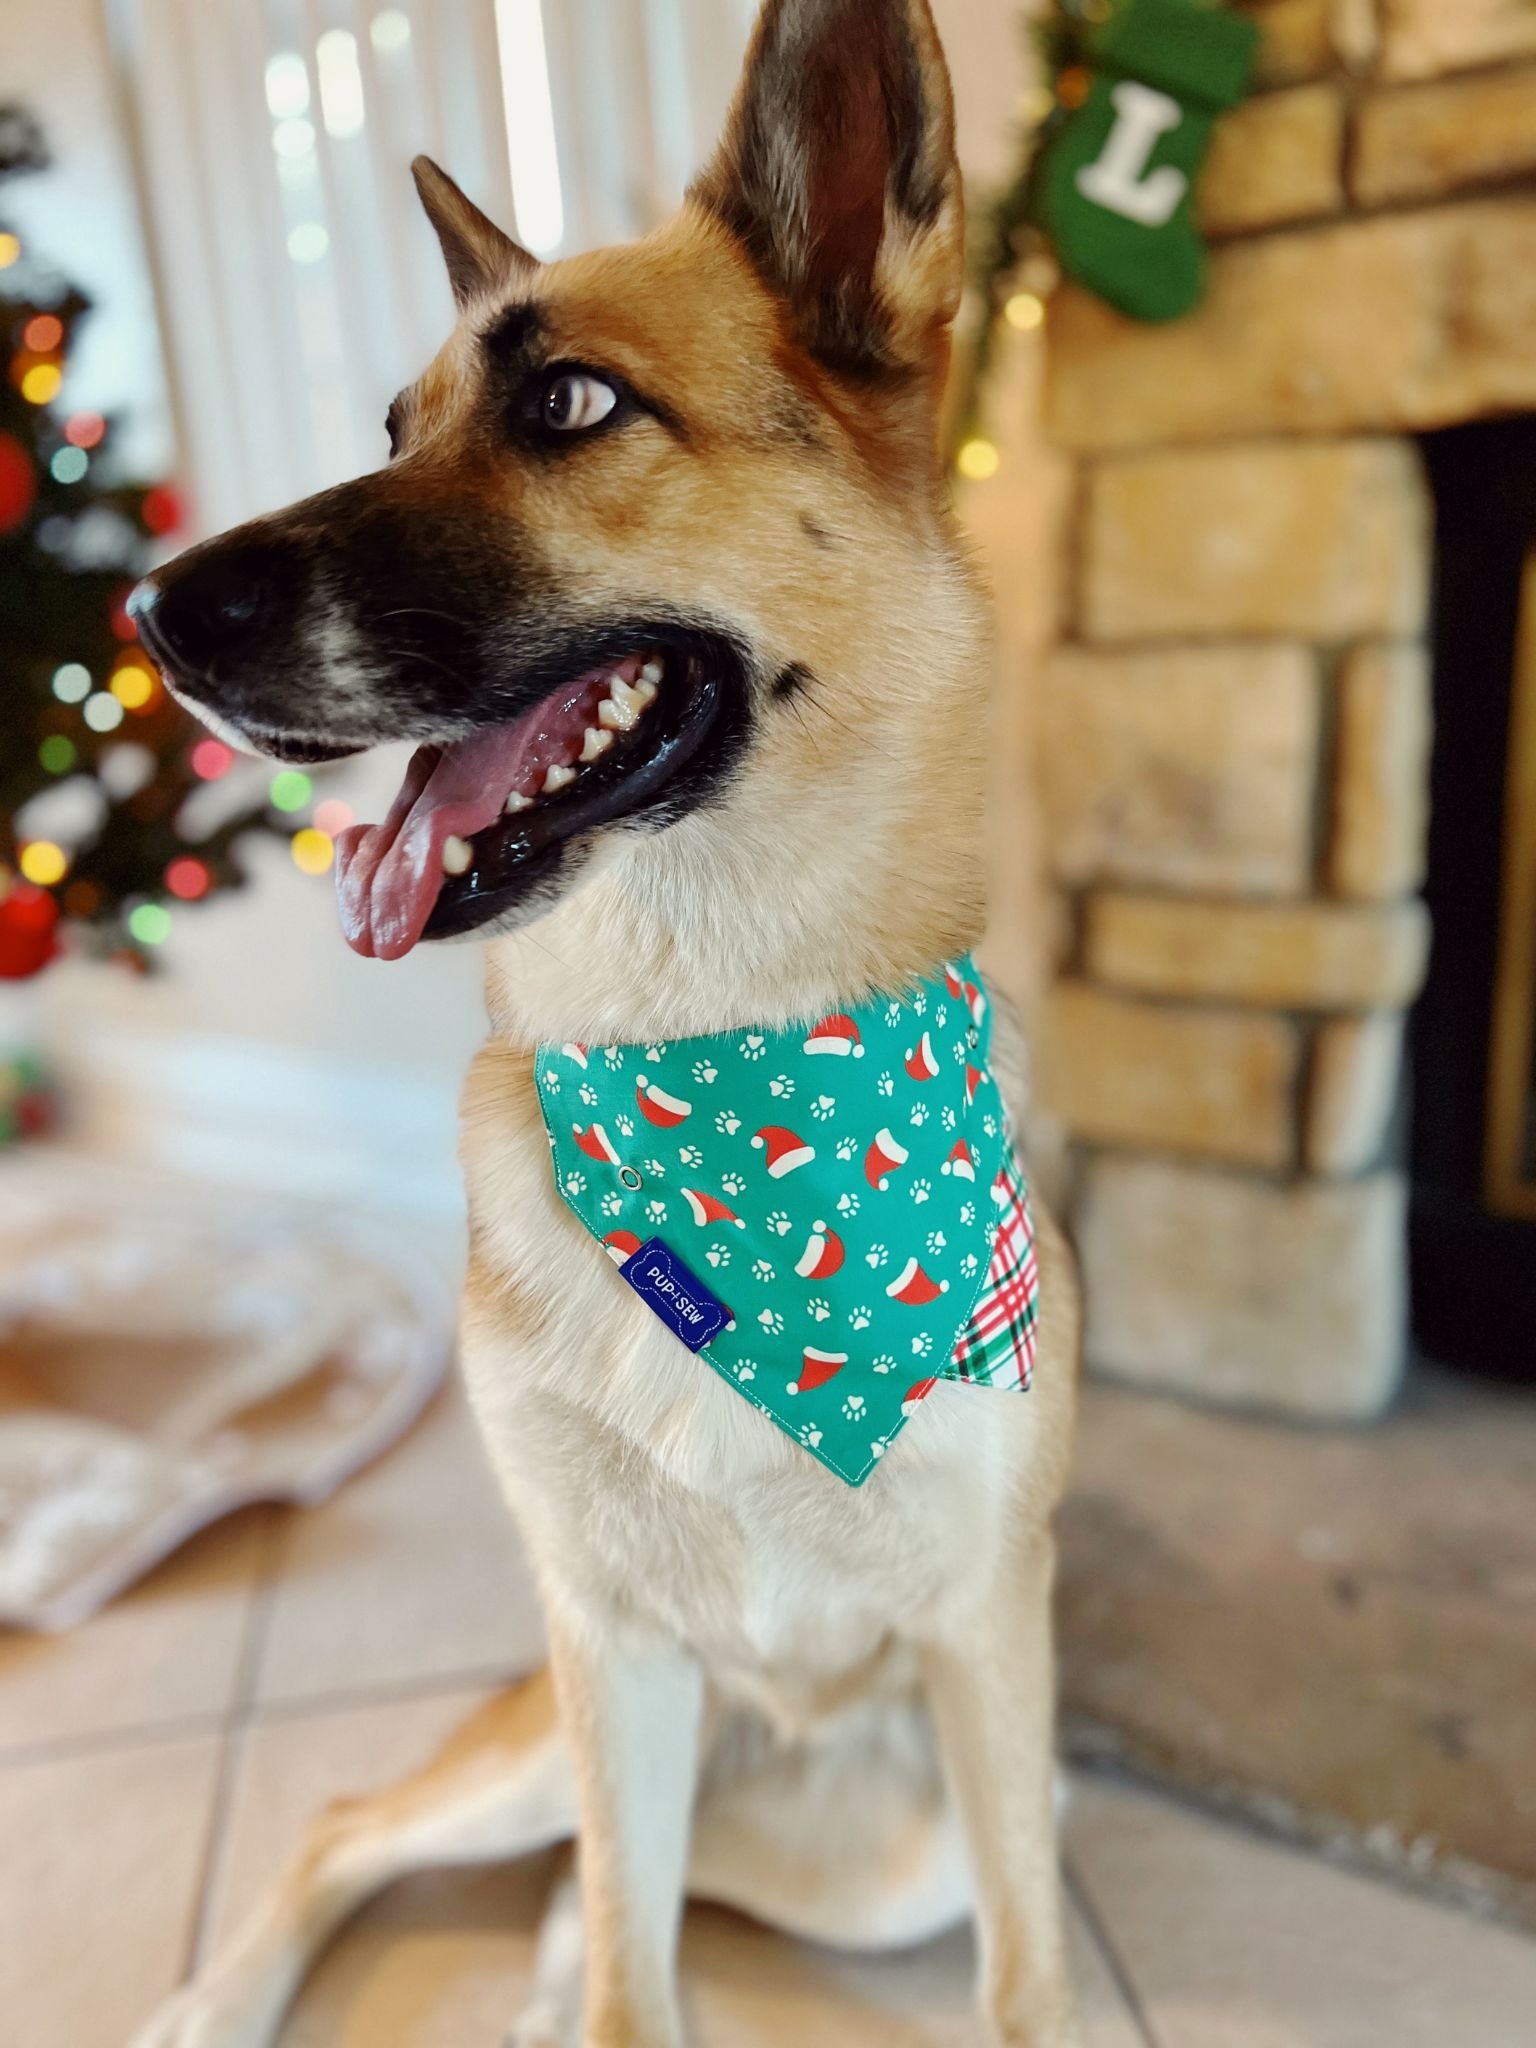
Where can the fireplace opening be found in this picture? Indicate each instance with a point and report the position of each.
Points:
(1473, 1035)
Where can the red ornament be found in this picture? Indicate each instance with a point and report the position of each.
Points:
(29, 920)
(162, 510)
(18, 483)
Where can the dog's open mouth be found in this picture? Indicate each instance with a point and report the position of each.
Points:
(479, 822)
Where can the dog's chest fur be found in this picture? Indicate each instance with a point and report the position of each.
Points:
(645, 1484)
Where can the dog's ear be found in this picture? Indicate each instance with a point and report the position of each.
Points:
(838, 173)
(478, 255)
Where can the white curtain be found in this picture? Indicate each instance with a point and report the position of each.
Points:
(299, 284)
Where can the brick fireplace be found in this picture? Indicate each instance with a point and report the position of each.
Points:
(1235, 715)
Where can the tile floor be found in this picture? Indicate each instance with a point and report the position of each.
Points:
(156, 1766)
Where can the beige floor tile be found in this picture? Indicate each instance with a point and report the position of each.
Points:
(168, 1651)
(98, 1887)
(447, 1959)
(1233, 1942)
(412, 1573)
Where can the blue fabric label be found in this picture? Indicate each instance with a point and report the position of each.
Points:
(679, 1297)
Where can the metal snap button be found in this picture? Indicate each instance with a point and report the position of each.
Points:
(973, 1038)
(630, 1177)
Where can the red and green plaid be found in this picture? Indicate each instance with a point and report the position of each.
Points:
(997, 1346)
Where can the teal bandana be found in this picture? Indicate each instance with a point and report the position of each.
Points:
(831, 1215)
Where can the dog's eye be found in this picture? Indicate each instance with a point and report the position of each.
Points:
(575, 401)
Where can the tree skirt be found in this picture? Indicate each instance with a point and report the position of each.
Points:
(168, 1355)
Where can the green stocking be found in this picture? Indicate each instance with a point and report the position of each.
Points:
(1115, 183)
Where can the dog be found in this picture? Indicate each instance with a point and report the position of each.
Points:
(706, 465)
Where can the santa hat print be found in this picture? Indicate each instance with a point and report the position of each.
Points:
(882, 1160)
(621, 1246)
(913, 1287)
(976, 1002)
(960, 1163)
(838, 1035)
(578, 1053)
(657, 1107)
(785, 1151)
(709, 1208)
(823, 1254)
(596, 1143)
(916, 1393)
(972, 1082)
(816, 1368)
(921, 1064)
(952, 980)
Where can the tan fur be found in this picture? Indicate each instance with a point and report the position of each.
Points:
(765, 1679)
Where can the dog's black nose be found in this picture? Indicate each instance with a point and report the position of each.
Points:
(218, 607)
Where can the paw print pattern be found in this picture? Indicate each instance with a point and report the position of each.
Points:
(575, 1183)
(936, 1241)
(588, 1094)
(921, 1190)
(727, 1122)
(761, 1270)
(819, 1309)
(920, 1003)
(846, 1147)
(989, 1125)
(690, 1155)
(705, 1074)
(922, 1344)
(745, 1369)
(967, 1213)
(919, 1115)
(612, 1205)
(655, 1052)
(848, 1205)
(859, 1319)
(551, 1080)
(731, 1183)
(752, 1047)
(948, 1118)
(886, 1084)
(893, 1013)
(614, 1055)
(782, 1086)
(719, 1255)
(655, 1169)
(877, 1256)
(970, 1265)
(626, 1126)
(779, 1223)
(771, 1321)
(853, 1407)
(657, 1211)
(823, 1107)
(885, 1363)
(810, 1435)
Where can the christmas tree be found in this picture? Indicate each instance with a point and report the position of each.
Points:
(107, 820)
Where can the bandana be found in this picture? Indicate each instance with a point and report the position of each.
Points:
(831, 1216)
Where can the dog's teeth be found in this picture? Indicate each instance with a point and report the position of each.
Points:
(616, 716)
(653, 671)
(644, 693)
(558, 778)
(516, 802)
(458, 856)
(594, 744)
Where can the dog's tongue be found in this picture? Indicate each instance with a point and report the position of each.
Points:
(388, 876)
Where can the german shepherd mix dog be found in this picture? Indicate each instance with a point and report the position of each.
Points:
(663, 578)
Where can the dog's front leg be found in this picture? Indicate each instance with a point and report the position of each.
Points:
(991, 1684)
(631, 1713)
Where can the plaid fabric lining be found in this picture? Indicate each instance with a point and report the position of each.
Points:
(997, 1346)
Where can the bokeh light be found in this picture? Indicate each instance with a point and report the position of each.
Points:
(72, 683)
(10, 251)
(58, 753)
(84, 429)
(42, 333)
(69, 465)
(44, 863)
(103, 712)
(211, 759)
(40, 384)
(978, 460)
(150, 924)
(334, 816)
(291, 790)
(188, 879)
(1024, 311)
(313, 851)
(135, 685)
